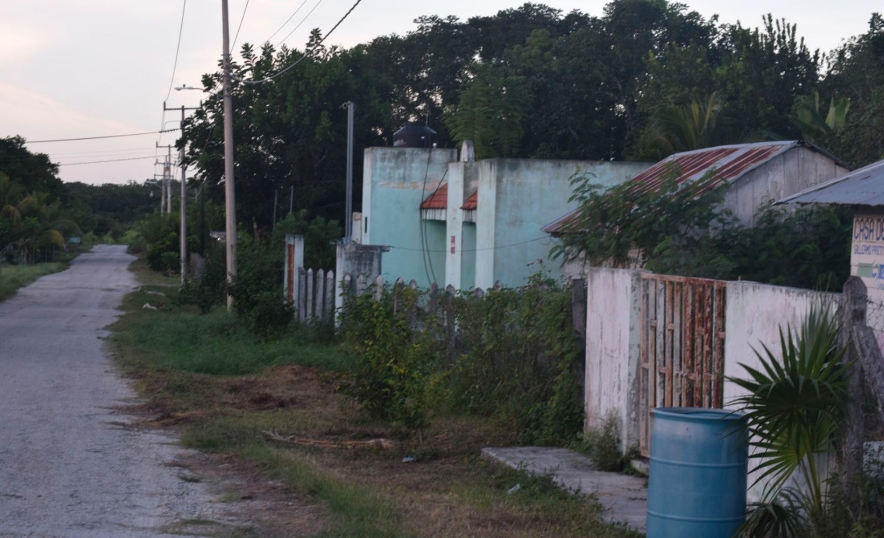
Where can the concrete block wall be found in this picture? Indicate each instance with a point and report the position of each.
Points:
(395, 182)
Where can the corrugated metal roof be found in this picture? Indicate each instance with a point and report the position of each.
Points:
(860, 187)
(472, 202)
(728, 162)
(437, 200)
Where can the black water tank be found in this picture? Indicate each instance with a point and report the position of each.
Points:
(414, 135)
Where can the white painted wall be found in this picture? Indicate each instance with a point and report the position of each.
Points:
(612, 350)
(755, 313)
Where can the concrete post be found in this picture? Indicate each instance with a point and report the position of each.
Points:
(354, 260)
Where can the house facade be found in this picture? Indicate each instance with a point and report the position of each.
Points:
(469, 223)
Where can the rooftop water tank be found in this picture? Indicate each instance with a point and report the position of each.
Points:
(414, 135)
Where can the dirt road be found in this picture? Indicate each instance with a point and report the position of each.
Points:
(69, 466)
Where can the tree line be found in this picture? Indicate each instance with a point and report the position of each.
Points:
(644, 79)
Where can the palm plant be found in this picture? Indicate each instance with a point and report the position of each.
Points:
(695, 126)
(795, 404)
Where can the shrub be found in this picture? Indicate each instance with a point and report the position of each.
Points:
(391, 377)
(508, 355)
(209, 288)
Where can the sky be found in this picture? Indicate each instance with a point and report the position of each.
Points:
(82, 68)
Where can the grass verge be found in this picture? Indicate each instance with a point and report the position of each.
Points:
(274, 404)
(15, 277)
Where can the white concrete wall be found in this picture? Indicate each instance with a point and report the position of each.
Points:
(754, 316)
(612, 350)
(461, 184)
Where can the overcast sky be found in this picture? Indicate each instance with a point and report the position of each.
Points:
(96, 67)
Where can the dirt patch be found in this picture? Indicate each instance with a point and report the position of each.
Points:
(265, 507)
(279, 388)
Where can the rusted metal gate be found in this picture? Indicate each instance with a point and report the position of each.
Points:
(681, 346)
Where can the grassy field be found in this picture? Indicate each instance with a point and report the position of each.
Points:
(274, 405)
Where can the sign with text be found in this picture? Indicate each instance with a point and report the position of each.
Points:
(867, 250)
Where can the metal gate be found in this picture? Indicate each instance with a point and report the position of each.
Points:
(681, 346)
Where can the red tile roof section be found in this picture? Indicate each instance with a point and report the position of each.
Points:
(472, 202)
(437, 200)
(729, 163)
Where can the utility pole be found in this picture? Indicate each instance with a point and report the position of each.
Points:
(182, 233)
(348, 216)
(165, 194)
(291, 198)
(229, 192)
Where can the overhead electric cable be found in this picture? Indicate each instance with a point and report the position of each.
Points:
(99, 137)
(306, 53)
(238, 28)
(99, 151)
(177, 50)
(307, 16)
(107, 161)
(292, 16)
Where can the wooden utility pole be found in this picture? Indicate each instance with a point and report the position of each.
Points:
(229, 192)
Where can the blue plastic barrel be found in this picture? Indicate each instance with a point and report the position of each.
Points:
(697, 482)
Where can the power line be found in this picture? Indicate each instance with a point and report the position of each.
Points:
(100, 137)
(307, 16)
(99, 151)
(474, 249)
(107, 161)
(238, 28)
(177, 50)
(306, 53)
(292, 16)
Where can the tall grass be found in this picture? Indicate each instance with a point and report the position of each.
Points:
(13, 277)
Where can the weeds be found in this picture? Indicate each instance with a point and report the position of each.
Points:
(223, 387)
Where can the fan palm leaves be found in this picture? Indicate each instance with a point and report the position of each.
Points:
(795, 404)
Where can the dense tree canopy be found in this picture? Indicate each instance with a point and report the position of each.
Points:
(535, 82)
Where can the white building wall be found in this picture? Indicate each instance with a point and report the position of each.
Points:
(612, 350)
(754, 316)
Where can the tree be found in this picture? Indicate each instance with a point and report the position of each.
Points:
(290, 132)
(690, 127)
(856, 72)
(808, 117)
(491, 113)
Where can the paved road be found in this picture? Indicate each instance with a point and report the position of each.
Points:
(67, 466)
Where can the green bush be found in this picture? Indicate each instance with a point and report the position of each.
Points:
(209, 288)
(257, 289)
(391, 378)
(509, 355)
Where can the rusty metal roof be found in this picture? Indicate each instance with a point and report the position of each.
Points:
(472, 202)
(437, 200)
(860, 187)
(727, 163)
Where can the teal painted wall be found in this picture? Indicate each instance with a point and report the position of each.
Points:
(517, 197)
(468, 267)
(395, 182)
(435, 240)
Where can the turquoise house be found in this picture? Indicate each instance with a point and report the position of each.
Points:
(469, 223)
